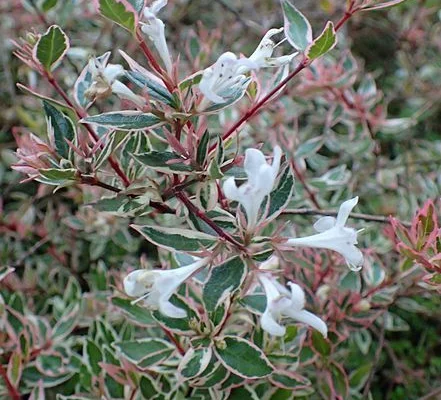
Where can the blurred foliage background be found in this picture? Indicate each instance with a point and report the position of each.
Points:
(64, 252)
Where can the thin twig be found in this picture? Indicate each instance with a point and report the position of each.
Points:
(302, 180)
(201, 215)
(433, 395)
(365, 217)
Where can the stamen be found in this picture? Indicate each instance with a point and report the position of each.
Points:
(283, 40)
(139, 299)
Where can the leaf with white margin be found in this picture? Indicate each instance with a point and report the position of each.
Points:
(176, 239)
(242, 357)
(124, 120)
(194, 362)
(298, 30)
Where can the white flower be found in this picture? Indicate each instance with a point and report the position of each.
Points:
(334, 235)
(105, 82)
(261, 178)
(156, 287)
(225, 78)
(262, 55)
(154, 28)
(282, 302)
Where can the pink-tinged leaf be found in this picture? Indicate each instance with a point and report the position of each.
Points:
(116, 372)
(119, 11)
(15, 368)
(414, 255)
(387, 4)
(425, 225)
(60, 106)
(38, 392)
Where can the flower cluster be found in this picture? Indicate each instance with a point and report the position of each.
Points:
(156, 287)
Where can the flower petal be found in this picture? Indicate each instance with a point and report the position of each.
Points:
(324, 223)
(297, 296)
(170, 310)
(345, 210)
(131, 283)
(254, 159)
(231, 191)
(112, 71)
(310, 319)
(123, 92)
(269, 324)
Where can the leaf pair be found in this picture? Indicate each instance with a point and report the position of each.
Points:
(298, 31)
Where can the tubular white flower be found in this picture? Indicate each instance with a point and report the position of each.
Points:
(334, 235)
(156, 287)
(225, 77)
(264, 51)
(282, 302)
(105, 82)
(154, 28)
(261, 178)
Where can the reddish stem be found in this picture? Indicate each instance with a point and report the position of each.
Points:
(14, 394)
(305, 62)
(299, 175)
(253, 110)
(175, 341)
(201, 215)
(81, 114)
(153, 63)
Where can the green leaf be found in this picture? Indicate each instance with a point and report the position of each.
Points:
(359, 377)
(149, 388)
(217, 375)
(120, 12)
(288, 380)
(94, 356)
(320, 344)
(145, 352)
(255, 302)
(57, 177)
(47, 5)
(154, 89)
(281, 195)
(166, 162)
(203, 148)
(324, 43)
(224, 280)
(243, 358)
(340, 380)
(176, 239)
(51, 47)
(66, 324)
(298, 30)
(63, 128)
(308, 148)
(195, 362)
(124, 120)
(136, 313)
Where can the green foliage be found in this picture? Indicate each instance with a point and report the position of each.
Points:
(51, 47)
